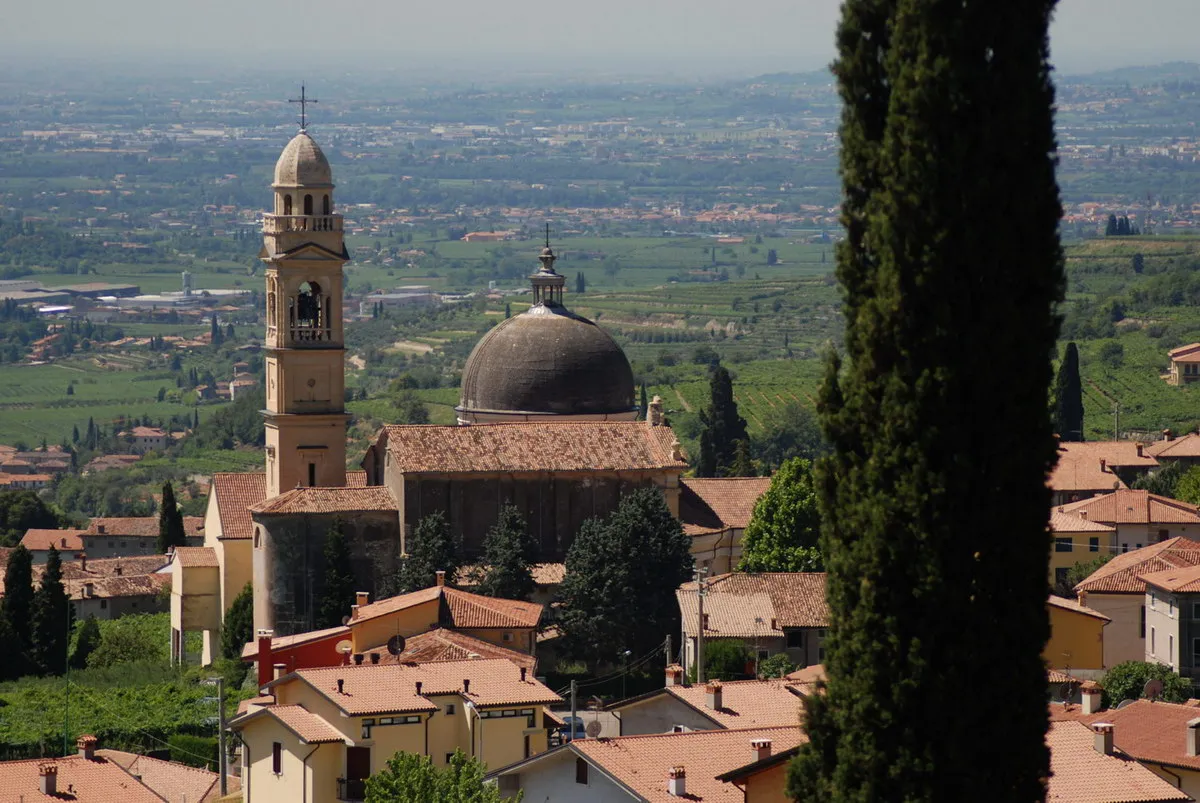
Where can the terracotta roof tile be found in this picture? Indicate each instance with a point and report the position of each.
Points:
(465, 610)
(1151, 731)
(237, 493)
(384, 688)
(62, 540)
(250, 650)
(96, 781)
(1071, 605)
(744, 703)
(327, 500)
(1079, 465)
(173, 781)
(577, 446)
(128, 566)
(1079, 774)
(1182, 447)
(1067, 523)
(145, 526)
(641, 763)
(448, 645)
(140, 585)
(716, 504)
(544, 574)
(309, 727)
(743, 605)
(197, 557)
(1184, 351)
(1134, 507)
(1123, 574)
(1185, 578)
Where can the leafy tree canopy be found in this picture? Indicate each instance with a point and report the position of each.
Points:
(431, 549)
(777, 666)
(1125, 681)
(412, 778)
(785, 526)
(509, 552)
(337, 591)
(239, 624)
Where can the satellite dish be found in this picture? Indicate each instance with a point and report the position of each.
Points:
(395, 645)
(345, 647)
(593, 729)
(1124, 703)
(1067, 690)
(345, 621)
(1153, 689)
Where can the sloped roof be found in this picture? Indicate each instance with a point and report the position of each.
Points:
(327, 500)
(311, 728)
(237, 493)
(544, 574)
(1073, 606)
(744, 703)
(1123, 574)
(62, 540)
(465, 610)
(128, 566)
(1080, 774)
(1183, 351)
(641, 763)
(384, 688)
(144, 526)
(1150, 731)
(447, 645)
(739, 600)
(545, 446)
(1061, 522)
(1184, 579)
(173, 781)
(706, 505)
(140, 585)
(1079, 465)
(96, 781)
(196, 557)
(1134, 507)
(1182, 447)
(250, 650)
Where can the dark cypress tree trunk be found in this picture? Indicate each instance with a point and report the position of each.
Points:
(940, 453)
(51, 619)
(1068, 397)
(15, 610)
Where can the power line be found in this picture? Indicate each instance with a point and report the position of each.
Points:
(136, 729)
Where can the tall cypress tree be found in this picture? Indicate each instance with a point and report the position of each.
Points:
(15, 609)
(50, 619)
(337, 592)
(509, 552)
(947, 112)
(170, 521)
(1068, 397)
(431, 549)
(722, 424)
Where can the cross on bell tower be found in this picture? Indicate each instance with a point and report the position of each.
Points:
(303, 100)
(304, 252)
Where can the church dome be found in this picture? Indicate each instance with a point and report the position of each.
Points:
(546, 361)
(302, 164)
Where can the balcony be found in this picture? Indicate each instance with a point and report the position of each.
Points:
(351, 789)
(281, 224)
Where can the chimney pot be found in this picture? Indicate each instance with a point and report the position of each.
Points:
(48, 779)
(64, 542)
(358, 659)
(87, 746)
(341, 685)
(712, 694)
(1104, 737)
(280, 670)
(1141, 450)
(1090, 693)
(361, 597)
(466, 685)
(100, 529)
(1193, 737)
(264, 658)
(419, 685)
(441, 578)
(674, 675)
(374, 657)
(676, 782)
(353, 612)
(1103, 464)
(523, 671)
(762, 748)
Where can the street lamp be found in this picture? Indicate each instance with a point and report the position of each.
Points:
(625, 674)
(219, 682)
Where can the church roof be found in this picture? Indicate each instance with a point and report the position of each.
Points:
(302, 164)
(327, 500)
(544, 446)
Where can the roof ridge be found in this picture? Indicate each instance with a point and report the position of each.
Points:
(697, 734)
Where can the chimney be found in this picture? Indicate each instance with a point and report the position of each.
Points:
(1082, 514)
(358, 659)
(712, 694)
(1081, 598)
(466, 685)
(1104, 737)
(264, 657)
(341, 685)
(523, 671)
(1193, 737)
(83, 561)
(48, 777)
(761, 748)
(100, 529)
(676, 782)
(774, 623)
(674, 675)
(87, 746)
(374, 657)
(1090, 692)
(362, 597)
(654, 412)
(1141, 450)
(280, 670)
(441, 578)
(677, 451)
(1168, 435)
(1103, 464)
(89, 589)
(419, 684)
(353, 612)
(64, 543)
(119, 571)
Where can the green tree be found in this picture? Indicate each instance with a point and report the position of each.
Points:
(724, 659)
(1187, 489)
(22, 510)
(785, 527)
(431, 549)
(1068, 397)
(742, 465)
(618, 592)
(789, 431)
(722, 424)
(777, 666)
(50, 619)
(946, 107)
(412, 778)
(170, 521)
(1077, 574)
(338, 588)
(1127, 680)
(16, 608)
(1164, 482)
(87, 639)
(238, 629)
(509, 552)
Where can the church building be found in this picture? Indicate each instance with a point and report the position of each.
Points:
(546, 422)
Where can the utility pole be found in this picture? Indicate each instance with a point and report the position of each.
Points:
(222, 758)
(701, 590)
(1116, 421)
(668, 649)
(574, 715)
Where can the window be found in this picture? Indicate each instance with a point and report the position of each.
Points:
(312, 475)
(450, 709)
(1196, 610)
(1137, 546)
(1142, 624)
(763, 655)
(308, 206)
(367, 724)
(581, 771)
(277, 758)
(1196, 652)
(1163, 535)
(103, 604)
(287, 204)
(794, 639)
(448, 757)
(1152, 640)
(1171, 649)
(1093, 544)
(1062, 544)
(325, 205)
(508, 636)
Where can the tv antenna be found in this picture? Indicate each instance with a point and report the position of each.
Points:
(303, 100)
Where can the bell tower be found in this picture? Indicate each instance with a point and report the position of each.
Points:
(304, 253)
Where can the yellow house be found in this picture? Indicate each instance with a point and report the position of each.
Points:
(1077, 540)
(1185, 364)
(323, 732)
(1076, 636)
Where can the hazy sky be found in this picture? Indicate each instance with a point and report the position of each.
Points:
(613, 36)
